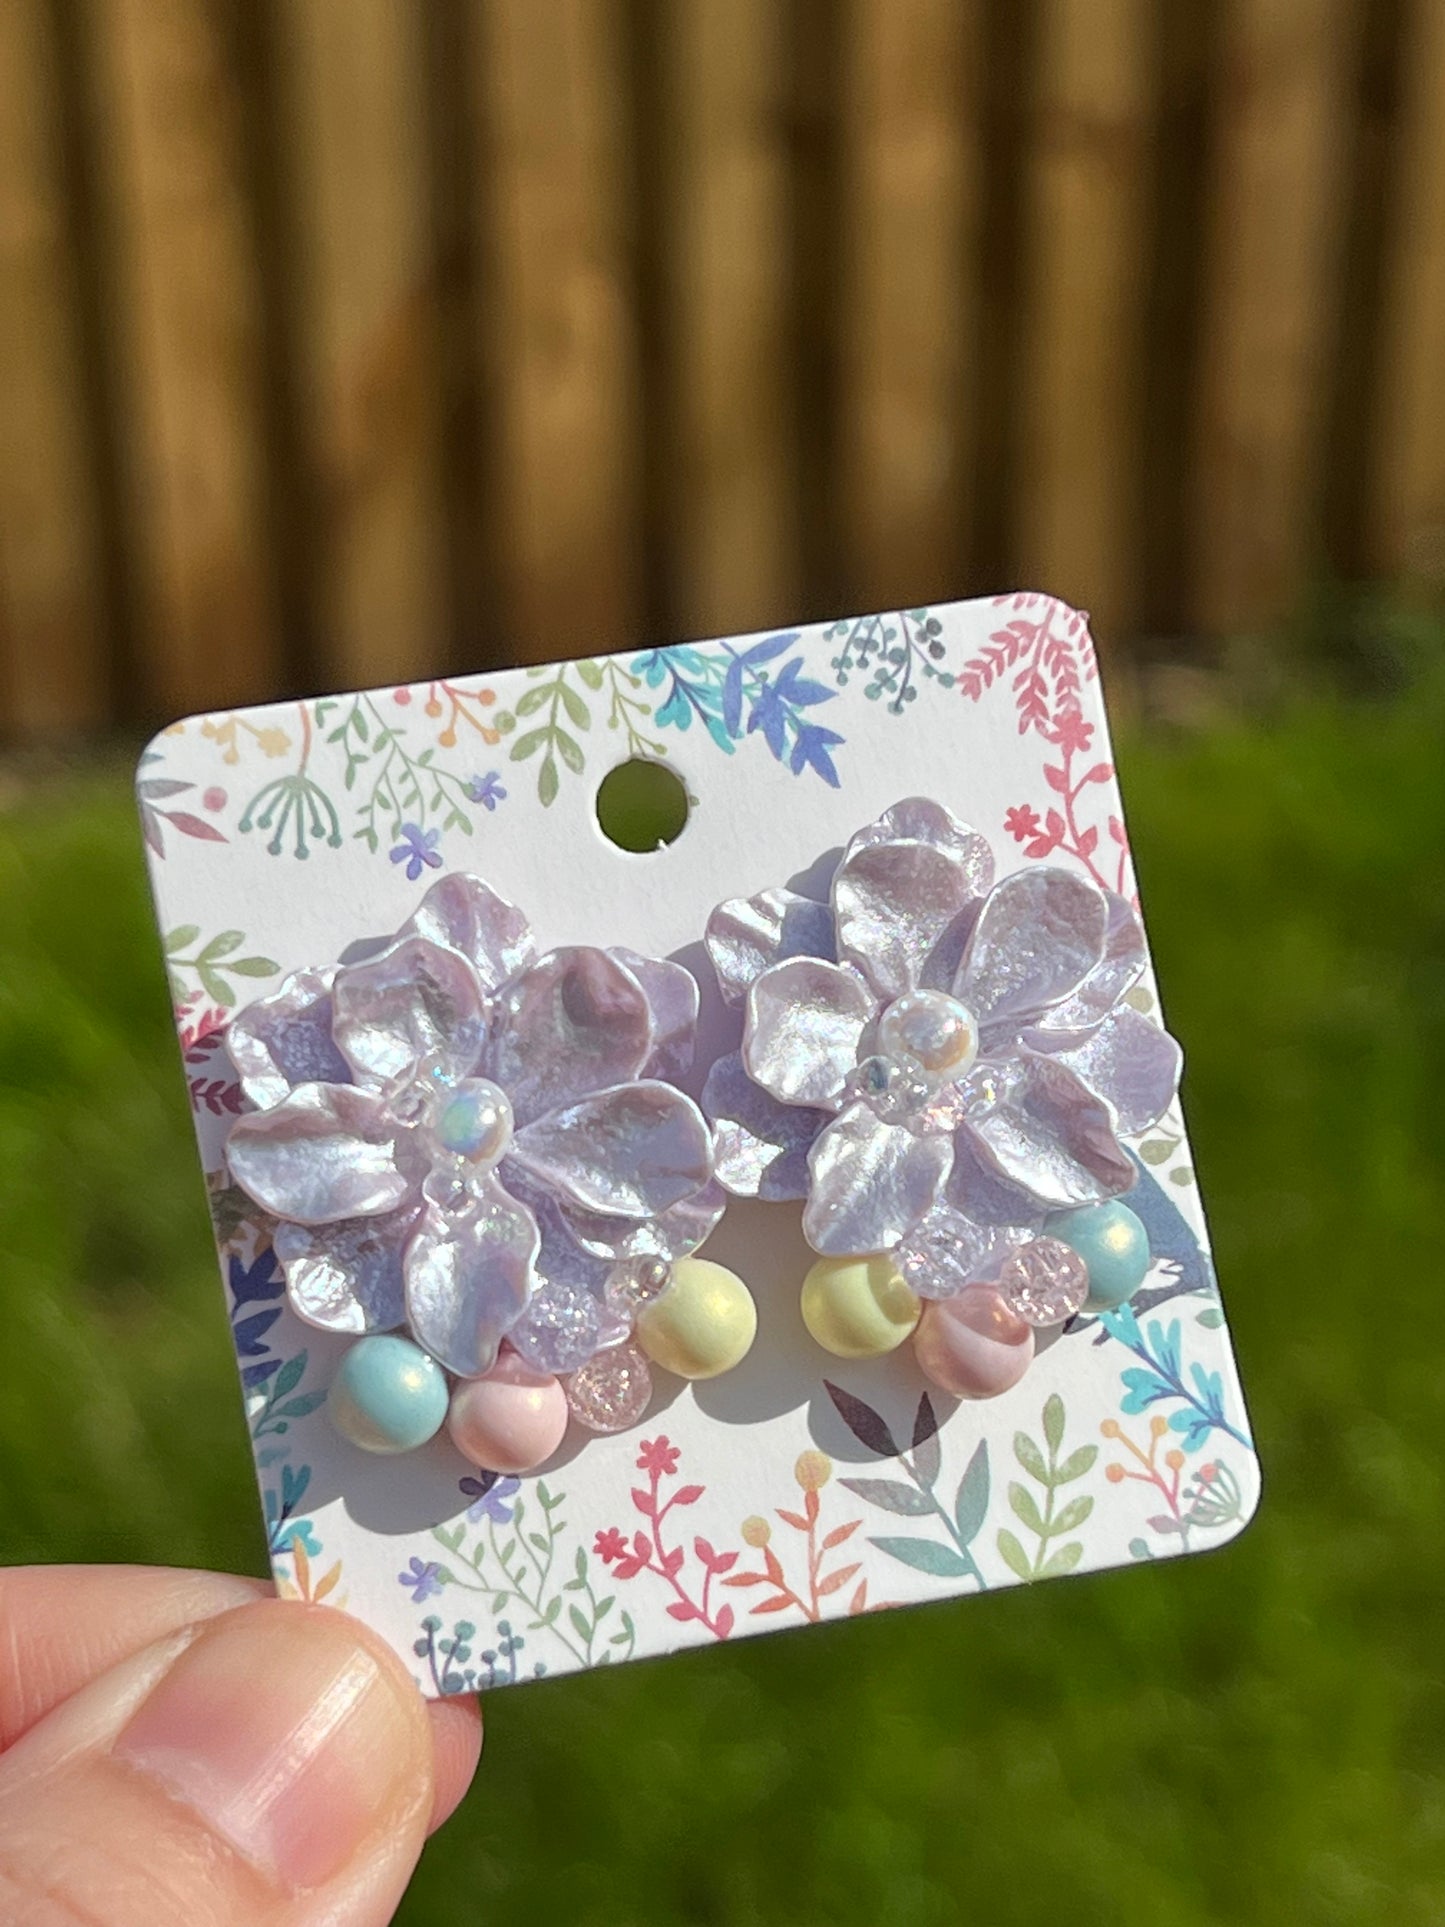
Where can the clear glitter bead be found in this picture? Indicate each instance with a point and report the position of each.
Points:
(891, 1092)
(636, 1282)
(561, 1328)
(940, 1256)
(611, 1391)
(1045, 1282)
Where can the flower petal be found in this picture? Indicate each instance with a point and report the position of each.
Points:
(871, 1183)
(576, 1022)
(761, 1146)
(347, 1277)
(1040, 1127)
(903, 910)
(417, 1003)
(1128, 1061)
(469, 1276)
(918, 819)
(466, 915)
(284, 1040)
(804, 1025)
(672, 997)
(673, 1233)
(1038, 935)
(748, 935)
(327, 1152)
(631, 1152)
(1125, 954)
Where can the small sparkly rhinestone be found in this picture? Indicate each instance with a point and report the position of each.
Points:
(940, 1255)
(637, 1282)
(1045, 1282)
(611, 1391)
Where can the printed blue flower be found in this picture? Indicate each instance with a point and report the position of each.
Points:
(491, 1496)
(417, 850)
(423, 1579)
(487, 790)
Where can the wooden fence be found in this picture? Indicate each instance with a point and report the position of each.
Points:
(341, 340)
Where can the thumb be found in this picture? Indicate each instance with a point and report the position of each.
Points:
(269, 1766)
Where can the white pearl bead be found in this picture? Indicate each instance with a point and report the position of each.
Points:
(931, 1032)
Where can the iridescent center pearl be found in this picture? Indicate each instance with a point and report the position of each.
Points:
(931, 1034)
(474, 1121)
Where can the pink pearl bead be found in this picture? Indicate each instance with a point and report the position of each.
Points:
(974, 1345)
(510, 1421)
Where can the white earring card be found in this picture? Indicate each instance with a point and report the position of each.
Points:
(800, 1486)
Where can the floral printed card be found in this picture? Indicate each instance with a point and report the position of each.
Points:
(802, 1485)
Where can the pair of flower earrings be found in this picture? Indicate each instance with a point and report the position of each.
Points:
(478, 1160)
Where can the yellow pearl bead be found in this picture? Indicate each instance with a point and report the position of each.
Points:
(858, 1307)
(702, 1325)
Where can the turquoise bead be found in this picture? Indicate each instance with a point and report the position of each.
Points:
(388, 1396)
(1113, 1244)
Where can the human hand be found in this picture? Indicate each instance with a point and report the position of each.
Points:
(182, 1749)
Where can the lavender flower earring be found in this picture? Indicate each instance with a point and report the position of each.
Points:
(942, 1067)
(478, 1164)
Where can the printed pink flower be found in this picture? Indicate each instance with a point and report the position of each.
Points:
(609, 1545)
(463, 1137)
(658, 1457)
(1022, 822)
(1071, 732)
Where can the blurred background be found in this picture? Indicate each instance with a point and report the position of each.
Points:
(348, 341)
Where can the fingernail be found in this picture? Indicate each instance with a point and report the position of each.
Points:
(283, 1734)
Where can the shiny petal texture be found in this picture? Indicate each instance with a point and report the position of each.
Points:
(671, 993)
(327, 1152)
(918, 819)
(902, 909)
(416, 1003)
(469, 1277)
(761, 1146)
(284, 1040)
(1117, 970)
(748, 935)
(1043, 1129)
(576, 1022)
(467, 915)
(347, 1277)
(1129, 1062)
(871, 1183)
(632, 1152)
(1038, 935)
(674, 1233)
(804, 1025)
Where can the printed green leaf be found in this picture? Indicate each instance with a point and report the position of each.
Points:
(181, 937)
(1054, 1421)
(575, 707)
(215, 986)
(571, 752)
(1074, 1467)
(533, 699)
(547, 782)
(253, 967)
(289, 1376)
(591, 674)
(1182, 1176)
(1030, 1458)
(927, 1454)
(890, 1495)
(222, 944)
(925, 1555)
(971, 1504)
(1073, 1515)
(1025, 1508)
(527, 744)
(1211, 1319)
(1013, 1555)
(579, 1623)
(1062, 1561)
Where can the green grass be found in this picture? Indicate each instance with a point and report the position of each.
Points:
(1248, 1737)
